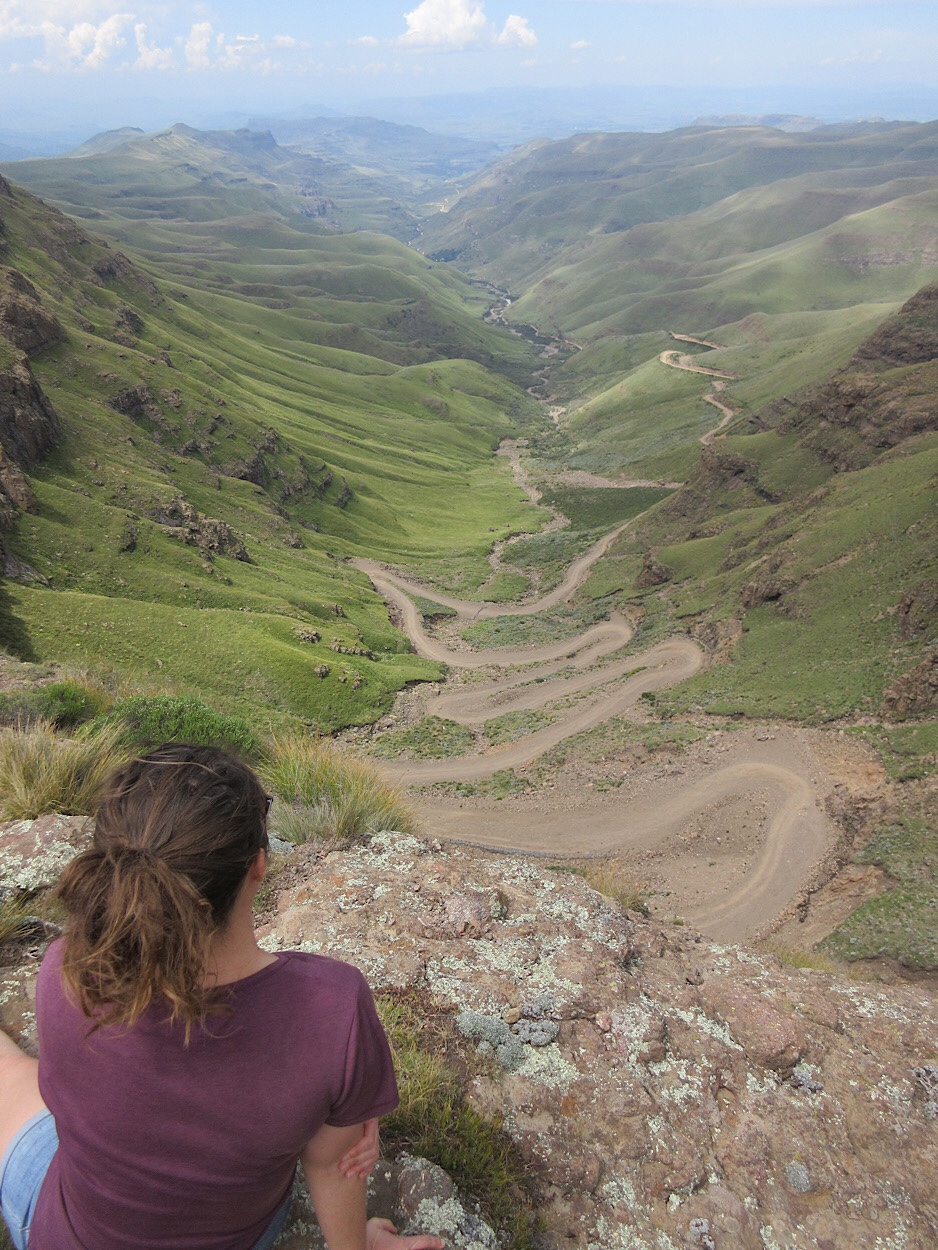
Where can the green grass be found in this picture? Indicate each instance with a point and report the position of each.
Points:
(521, 631)
(435, 1121)
(434, 738)
(431, 610)
(909, 752)
(64, 704)
(828, 648)
(513, 725)
(145, 721)
(601, 508)
(621, 736)
(501, 785)
(381, 446)
(504, 587)
(899, 923)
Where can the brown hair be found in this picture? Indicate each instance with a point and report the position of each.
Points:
(174, 837)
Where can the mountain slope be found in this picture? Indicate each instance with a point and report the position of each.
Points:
(783, 250)
(803, 547)
(214, 459)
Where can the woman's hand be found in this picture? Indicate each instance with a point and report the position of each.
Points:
(358, 1162)
(382, 1235)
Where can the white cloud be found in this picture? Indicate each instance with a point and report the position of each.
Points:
(93, 46)
(449, 24)
(854, 58)
(580, 45)
(149, 56)
(452, 25)
(517, 33)
(365, 41)
(283, 41)
(197, 46)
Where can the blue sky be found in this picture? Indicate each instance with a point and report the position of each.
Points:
(67, 55)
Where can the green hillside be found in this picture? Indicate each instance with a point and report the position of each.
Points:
(217, 457)
(803, 546)
(785, 248)
(200, 176)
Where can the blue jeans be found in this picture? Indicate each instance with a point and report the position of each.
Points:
(23, 1169)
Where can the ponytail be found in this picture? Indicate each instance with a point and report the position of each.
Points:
(174, 838)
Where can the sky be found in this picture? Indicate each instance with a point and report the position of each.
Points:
(146, 62)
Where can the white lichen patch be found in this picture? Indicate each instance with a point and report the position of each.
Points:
(448, 1216)
(765, 1085)
(615, 1236)
(889, 1092)
(713, 1028)
(43, 865)
(874, 1007)
(547, 1066)
(678, 1081)
(618, 1191)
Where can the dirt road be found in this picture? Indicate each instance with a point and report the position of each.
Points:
(767, 797)
(687, 363)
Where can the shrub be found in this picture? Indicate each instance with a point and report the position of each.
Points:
(41, 771)
(331, 796)
(145, 721)
(63, 704)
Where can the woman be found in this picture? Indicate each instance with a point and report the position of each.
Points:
(182, 1070)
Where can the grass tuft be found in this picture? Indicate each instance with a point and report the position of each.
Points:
(14, 922)
(804, 958)
(610, 878)
(329, 795)
(41, 771)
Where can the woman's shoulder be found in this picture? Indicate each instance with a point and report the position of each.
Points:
(323, 969)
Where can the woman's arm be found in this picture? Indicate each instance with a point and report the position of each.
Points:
(340, 1200)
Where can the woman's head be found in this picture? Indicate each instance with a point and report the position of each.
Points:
(174, 837)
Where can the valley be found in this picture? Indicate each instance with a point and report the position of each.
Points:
(641, 595)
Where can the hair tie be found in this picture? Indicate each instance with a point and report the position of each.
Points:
(124, 852)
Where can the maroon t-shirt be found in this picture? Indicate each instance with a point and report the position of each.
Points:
(194, 1148)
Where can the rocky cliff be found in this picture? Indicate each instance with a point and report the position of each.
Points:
(884, 395)
(29, 426)
(665, 1092)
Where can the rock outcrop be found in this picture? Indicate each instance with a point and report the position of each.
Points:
(212, 537)
(29, 428)
(24, 321)
(667, 1092)
(909, 337)
(685, 1086)
(915, 693)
